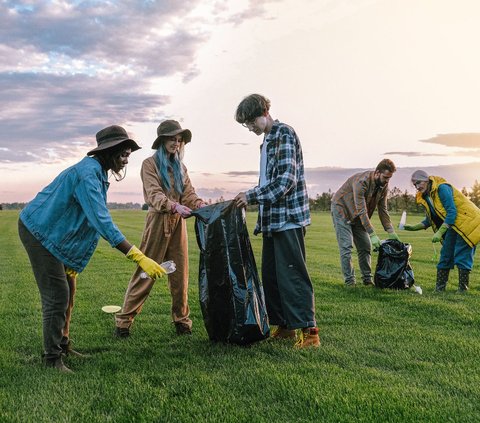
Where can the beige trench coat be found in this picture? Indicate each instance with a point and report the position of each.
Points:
(164, 238)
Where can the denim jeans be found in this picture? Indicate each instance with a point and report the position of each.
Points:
(349, 234)
(455, 251)
(54, 291)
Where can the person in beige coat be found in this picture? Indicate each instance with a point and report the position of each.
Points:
(170, 197)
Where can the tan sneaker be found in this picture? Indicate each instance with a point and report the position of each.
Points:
(283, 333)
(308, 338)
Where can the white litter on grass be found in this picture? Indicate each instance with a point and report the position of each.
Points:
(111, 309)
(418, 289)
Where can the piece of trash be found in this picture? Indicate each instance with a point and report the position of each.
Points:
(169, 267)
(403, 220)
(418, 289)
(111, 309)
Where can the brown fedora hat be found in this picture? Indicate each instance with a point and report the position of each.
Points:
(170, 128)
(110, 137)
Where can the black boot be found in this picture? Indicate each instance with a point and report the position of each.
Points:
(442, 279)
(57, 363)
(463, 280)
(122, 332)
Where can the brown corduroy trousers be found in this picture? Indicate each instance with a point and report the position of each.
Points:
(164, 238)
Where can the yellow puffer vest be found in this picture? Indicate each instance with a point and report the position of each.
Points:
(467, 223)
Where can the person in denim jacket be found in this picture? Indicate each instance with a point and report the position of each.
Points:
(60, 229)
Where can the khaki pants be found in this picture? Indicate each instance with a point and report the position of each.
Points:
(164, 238)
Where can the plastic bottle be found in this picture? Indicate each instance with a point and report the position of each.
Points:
(403, 220)
(169, 267)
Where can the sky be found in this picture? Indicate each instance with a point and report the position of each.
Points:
(359, 80)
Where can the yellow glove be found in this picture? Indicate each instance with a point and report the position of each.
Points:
(71, 273)
(438, 236)
(151, 267)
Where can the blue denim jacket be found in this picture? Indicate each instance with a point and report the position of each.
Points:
(69, 215)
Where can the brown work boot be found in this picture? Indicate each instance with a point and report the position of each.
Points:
(308, 338)
(68, 350)
(57, 363)
(283, 333)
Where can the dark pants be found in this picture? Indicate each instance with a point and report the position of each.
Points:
(288, 290)
(54, 291)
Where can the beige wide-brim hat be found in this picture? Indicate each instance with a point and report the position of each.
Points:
(110, 137)
(170, 128)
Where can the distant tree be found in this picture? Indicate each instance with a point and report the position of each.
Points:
(394, 197)
(465, 192)
(145, 206)
(321, 202)
(408, 200)
(399, 201)
(475, 194)
(124, 206)
(13, 206)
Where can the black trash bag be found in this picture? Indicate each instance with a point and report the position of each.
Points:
(231, 294)
(393, 267)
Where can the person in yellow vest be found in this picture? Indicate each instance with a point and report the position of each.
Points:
(456, 223)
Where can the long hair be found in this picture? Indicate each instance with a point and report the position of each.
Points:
(165, 161)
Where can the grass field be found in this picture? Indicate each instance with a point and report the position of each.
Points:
(386, 356)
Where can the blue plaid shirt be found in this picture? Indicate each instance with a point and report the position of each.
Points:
(284, 197)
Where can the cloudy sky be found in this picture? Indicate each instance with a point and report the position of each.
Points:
(359, 80)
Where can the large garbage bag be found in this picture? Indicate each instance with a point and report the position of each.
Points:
(231, 294)
(393, 266)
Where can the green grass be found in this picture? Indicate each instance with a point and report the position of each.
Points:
(385, 355)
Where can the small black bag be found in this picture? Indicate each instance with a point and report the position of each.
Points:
(231, 294)
(393, 267)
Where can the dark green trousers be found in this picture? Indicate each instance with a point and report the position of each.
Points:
(289, 296)
(54, 291)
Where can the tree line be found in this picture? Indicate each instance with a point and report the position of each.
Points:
(398, 201)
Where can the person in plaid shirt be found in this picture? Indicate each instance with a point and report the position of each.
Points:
(283, 214)
(352, 207)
